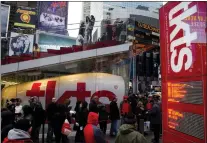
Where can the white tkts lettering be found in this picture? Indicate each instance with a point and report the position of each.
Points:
(186, 39)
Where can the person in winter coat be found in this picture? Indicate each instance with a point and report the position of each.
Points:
(27, 112)
(92, 133)
(20, 133)
(7, 123)
(93, 106)
(11, 106)
(38, 115)
(57, 122)
(81, 121)
(155, 115)
(114, 117)
(125, 108)
(127, 132)
(133, 102)
(51, 110)
(140, 113)
(68, 109)
(103, 118)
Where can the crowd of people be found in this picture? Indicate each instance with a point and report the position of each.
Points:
(21, 124)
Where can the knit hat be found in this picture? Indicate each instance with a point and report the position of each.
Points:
(23, 124)
(130, 119)
(125, 97)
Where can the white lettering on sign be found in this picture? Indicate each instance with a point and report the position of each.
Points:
(187, 38)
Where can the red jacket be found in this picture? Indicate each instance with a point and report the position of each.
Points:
(125, 106)
(92, 133)
(6, 140)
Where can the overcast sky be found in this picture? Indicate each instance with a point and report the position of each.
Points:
(74, 16)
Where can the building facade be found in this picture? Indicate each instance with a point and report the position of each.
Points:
(122, 10)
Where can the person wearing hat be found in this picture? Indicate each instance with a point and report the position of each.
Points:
(20, 133)
(127, 132)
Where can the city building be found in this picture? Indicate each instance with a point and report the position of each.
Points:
(123, 10)
(86, 9)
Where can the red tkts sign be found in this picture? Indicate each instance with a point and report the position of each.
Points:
(184, 30)
(184, 72)
(80, 93)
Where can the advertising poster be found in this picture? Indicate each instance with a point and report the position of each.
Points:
(54, 41)
(53, 16)
(20, 44)
(25, 17)
(5, 10)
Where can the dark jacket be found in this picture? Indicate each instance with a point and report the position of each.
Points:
(114, 111)
(5, 130)
(93, 107)
(81, 119)
(59, 118)
(103, 114)
(38, 115)
(7, 118)
(92, 133)
(51, 110)
(27, 110)
(128, 134)
(155, 114)
(82, 115)
(133, 102)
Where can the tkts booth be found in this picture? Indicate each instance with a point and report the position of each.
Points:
(184, 72)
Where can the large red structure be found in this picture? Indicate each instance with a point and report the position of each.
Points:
(184, 72)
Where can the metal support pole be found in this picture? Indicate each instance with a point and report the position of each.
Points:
(141, 126)
(134, 82)
(43, 132)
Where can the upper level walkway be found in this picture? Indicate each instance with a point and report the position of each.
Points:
(52, 57)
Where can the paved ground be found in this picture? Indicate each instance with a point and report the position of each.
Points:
(149, 137)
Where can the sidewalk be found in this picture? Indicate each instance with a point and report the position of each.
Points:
(110, 139)
(149, 137)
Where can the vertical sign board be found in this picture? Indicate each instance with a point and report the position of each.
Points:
(183, 68)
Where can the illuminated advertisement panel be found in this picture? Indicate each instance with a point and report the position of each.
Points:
(185, 92)
(188, 123)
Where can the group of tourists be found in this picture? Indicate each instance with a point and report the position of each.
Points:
(90, 122)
